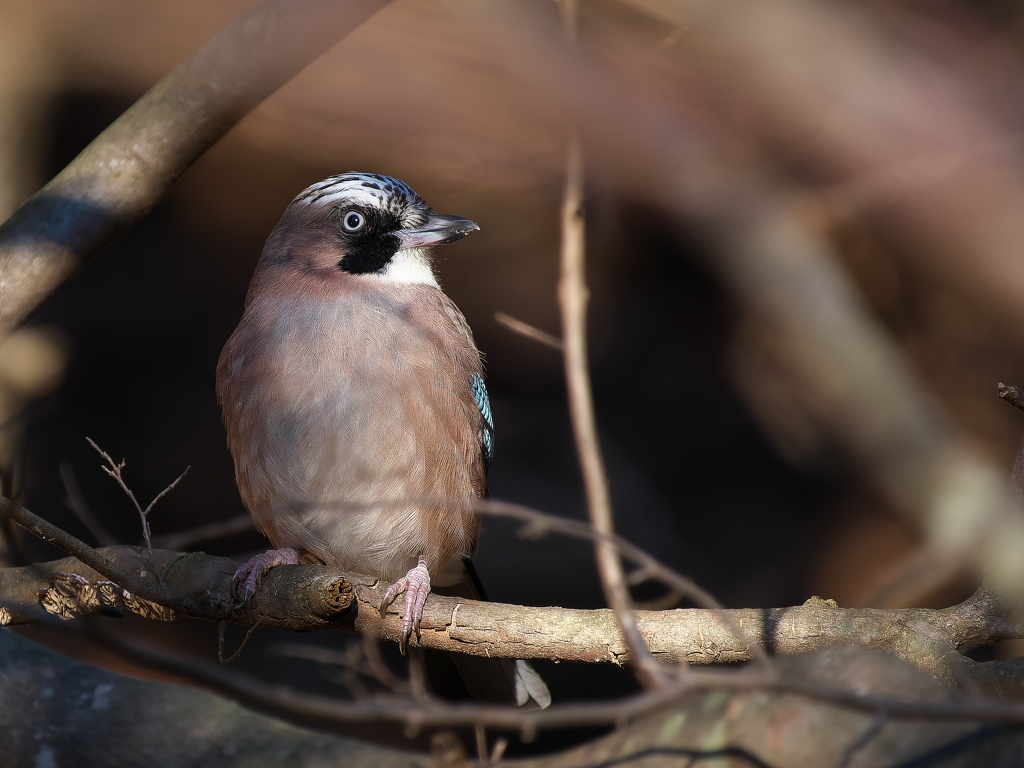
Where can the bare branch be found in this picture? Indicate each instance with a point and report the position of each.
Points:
(125, 171)
(98, 718)
(192, 536)
(675, 734)
(76, 502)
(310, 597)
(572, 292)
(529, 331)
(164, 492)
(198, 585)
(80, 550)
(1012, 394)
(428, 713)
(115, 471)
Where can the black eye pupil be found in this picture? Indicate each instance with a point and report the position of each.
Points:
(353, 220)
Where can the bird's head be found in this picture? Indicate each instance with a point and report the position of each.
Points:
(362, 224)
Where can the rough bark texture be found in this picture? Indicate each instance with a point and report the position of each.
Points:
(310, 597)
(301, 598)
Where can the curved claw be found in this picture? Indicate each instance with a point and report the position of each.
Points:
(416, 585)
(389, 597)
(249, 575)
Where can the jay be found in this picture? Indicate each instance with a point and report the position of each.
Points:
(354, 401)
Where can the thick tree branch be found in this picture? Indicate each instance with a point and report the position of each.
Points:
(129, 167)
(306, 597)
(309, 597)
(194, 584)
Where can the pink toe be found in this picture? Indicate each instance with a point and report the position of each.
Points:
(250, 573)
(416, 585)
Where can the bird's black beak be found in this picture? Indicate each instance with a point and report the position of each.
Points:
(437, 230)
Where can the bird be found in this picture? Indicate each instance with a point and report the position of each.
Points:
(354, 401)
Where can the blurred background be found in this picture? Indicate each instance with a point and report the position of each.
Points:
(888, 133)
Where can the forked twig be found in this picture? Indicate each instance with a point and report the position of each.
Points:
(221, 630)
(114, 470)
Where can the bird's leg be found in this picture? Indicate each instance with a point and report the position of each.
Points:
(416, 585)
(249, 574)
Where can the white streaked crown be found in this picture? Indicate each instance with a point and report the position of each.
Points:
(371, 189)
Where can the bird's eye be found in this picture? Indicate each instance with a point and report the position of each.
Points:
(353, 221)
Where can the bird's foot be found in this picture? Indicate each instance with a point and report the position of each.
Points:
(416, 585)
(246, 579)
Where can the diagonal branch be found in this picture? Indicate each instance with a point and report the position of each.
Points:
(127, 169)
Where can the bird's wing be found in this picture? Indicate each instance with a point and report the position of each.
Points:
(483, 404)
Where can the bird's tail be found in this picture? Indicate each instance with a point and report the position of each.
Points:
(507, 681)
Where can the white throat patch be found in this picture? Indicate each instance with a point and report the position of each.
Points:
(410, 266)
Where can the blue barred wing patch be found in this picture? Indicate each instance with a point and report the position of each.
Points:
(483, 404)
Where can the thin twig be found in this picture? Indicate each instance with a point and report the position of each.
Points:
(529, 331)
(166, 490)
(912, 579)
(221, 630)
(573, 294)
(47, 531)
(573, 297)
(539, 523)
(219, 529)
(378, 668)
(76, 503)
(115, 470)
(862, 741)
(357, 661)
(429, 712)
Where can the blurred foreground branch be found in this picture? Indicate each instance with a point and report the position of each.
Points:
(844, 376)
(826, 359)
(127, 169)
